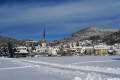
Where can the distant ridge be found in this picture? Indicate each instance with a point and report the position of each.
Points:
(5, 40)
(25, 42)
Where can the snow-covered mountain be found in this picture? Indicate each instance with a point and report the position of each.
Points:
(89, 32)
(113, 38)
(5, 40)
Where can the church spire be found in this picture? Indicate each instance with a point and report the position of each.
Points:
(44, 33)
(44, 39)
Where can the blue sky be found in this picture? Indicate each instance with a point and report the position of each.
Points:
(26, 19)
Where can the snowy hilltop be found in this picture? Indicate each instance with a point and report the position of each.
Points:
(89, 32)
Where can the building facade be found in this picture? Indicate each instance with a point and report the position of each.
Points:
(100, 50)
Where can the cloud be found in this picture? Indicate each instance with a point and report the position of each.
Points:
(83, 10)
(58, 17)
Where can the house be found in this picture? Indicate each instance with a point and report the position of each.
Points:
(29, 49)
(100, 50)
(54, 51)
(111, 50)
(88, 50)
(42, 50)
(117, 51)
(21, 52)
(75, 50)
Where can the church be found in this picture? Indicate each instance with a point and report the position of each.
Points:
(44, 49)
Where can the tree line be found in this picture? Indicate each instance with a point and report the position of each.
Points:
(7, 50)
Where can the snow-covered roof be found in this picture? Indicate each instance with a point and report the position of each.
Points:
(117, 49)
(22, 51)
(31, 41)
(100, 47)
(55, 48)
(77, 47)
(109, 47)
(72, 49)
(45, 48)
(88, 47)
(110, 50)
(67, 48)
(22, 47)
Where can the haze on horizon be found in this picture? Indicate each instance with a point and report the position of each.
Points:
(26, 19)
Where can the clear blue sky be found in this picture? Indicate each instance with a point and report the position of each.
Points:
(26, 19)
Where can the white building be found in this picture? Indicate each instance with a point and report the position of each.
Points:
(117, 51)
(21, 51)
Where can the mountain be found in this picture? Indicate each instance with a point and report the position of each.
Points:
(4, 41)
(89, 32)
(113, 38)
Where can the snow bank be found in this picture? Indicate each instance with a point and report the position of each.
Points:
(77, 78)
(112, 79)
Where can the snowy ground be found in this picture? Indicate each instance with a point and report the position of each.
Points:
(61, 68)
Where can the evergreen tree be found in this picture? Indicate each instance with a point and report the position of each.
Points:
(10, 49)
(77, 44)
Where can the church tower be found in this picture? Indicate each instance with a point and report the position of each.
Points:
(44, 40)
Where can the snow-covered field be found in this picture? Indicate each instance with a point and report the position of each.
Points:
(61, 68)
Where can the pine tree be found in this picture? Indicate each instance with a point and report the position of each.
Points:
(10, 49)
(77, 44)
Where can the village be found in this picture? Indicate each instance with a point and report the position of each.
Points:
(79, 48)
(59, 39)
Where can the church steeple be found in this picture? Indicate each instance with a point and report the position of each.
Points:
(44, 40)
(44, 33)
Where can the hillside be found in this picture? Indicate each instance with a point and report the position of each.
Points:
(5, 40)
(113, 38)
(89, 32)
